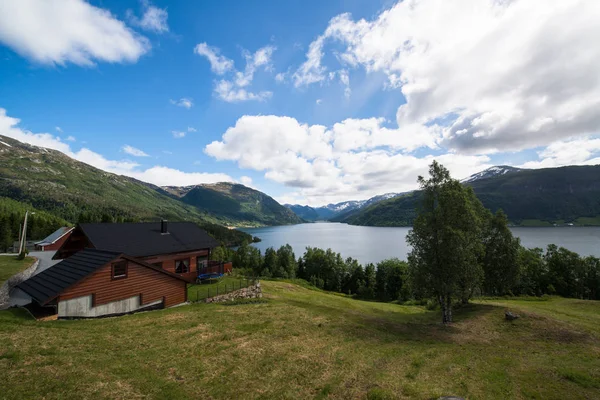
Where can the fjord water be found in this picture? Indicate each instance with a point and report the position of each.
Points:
(373, 244)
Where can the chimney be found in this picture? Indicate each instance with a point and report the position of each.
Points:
(163, 227)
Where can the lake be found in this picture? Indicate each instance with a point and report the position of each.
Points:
(373, 244)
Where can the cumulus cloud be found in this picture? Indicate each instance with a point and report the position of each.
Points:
(498, 78)
(178, 134)
(583, 151)
(133, 151)
(184, 102)
(233, 90)
(158, 175)
(70, 139)
(154, 19)
(355, 157)
(67, 31)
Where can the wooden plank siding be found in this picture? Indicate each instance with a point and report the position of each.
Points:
(168, 262)
(151, 285)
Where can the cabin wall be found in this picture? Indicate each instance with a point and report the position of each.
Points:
(149, 285)
(168, 262)
(75, 242)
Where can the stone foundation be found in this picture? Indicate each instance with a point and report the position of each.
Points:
(250, 292)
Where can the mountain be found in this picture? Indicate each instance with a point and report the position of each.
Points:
(491, 172)
(236, 202)
(541, 197)
(333, 211)
(51, 181)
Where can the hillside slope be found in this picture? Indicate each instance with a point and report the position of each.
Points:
(306, 344)
(236, 202)
(529, 197)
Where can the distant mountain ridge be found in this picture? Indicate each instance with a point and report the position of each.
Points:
(54, 182)
(235, 201)
(529, 197)
(334, 210)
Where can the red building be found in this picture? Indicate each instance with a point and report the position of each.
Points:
(55, 240)
(96, 283)
(182, 248)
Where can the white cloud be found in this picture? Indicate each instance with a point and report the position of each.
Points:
(233, 90)
(67, 31)
(345, 81)
(246, 181)
(70, 139)
(58, 129)
(353, 158)
(157, 175)
(583, 151)
(190, 129)
(218, 64)
(281, 77)
(133, 151)
(154, 18)
(319, 101)
(178, 134)
(229, 92)
(498, 78)
(184, 102)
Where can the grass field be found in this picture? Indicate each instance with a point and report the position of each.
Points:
(9, 265)
(308, 344)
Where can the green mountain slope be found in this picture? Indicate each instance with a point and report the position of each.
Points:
(529, 197)
(50, 181)
(235, 202)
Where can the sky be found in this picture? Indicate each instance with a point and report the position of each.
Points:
(311, 102)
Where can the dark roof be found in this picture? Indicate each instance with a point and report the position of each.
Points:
(144, 239)
(53, 237)
(51, 282)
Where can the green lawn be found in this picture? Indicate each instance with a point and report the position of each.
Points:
(308, 344)
(226, 284)
(9, 265)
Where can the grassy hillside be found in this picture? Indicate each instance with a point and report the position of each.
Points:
(308, 344)
(9, 266)
(539, 197)
(51, 181)
(245, 206)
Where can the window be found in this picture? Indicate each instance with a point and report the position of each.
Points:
(119, 270)
(182, 266)
(201, 262)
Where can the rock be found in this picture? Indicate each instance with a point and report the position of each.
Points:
(510, 316)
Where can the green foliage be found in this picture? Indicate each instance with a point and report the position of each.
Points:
(500, 263)
(222, 253)
(391, 280)
(538, 197)
(444, 261)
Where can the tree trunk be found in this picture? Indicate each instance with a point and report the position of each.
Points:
(443, 308)
(448, 310)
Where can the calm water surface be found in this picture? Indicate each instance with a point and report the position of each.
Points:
(373, 244)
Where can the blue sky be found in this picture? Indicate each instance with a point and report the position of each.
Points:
(389, 87)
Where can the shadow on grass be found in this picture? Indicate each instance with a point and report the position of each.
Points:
(382, 326)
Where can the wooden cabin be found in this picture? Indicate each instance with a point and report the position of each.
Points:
(97, 283)
(182, 248)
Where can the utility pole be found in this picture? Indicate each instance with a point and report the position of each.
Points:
(23, 242)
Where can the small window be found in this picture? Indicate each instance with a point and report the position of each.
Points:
(119, 270)
(158, 264)
(182, 266)
(201, 262)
